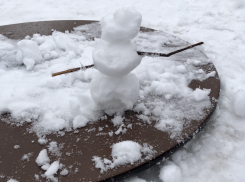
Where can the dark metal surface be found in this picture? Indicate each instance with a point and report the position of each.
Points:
(84, 145)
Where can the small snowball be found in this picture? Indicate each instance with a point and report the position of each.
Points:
(126, 152)
(80, 121)
(42, 141)
(64, 172)
(123, 24)
(115, 94)
(16, 147)
(170, 173)
(42, 158)
(12, 180)
(54, 167)
(239, 103)
(199, 94)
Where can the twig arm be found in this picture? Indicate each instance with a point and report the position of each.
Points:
(169, 54)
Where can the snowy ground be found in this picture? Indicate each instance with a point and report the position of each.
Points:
(218, 152)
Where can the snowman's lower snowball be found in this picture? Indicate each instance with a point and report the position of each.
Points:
(115, 94)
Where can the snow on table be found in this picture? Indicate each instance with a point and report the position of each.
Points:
(169, 100)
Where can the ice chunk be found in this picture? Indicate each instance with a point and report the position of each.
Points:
(123, 24)
(54, 167)
(239, 103)
(116, 60)
(170, 172)
(42, 158)
(115, 94)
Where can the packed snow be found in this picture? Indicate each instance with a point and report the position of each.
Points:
(122, 153)
(42, 158)
(218, 152)
(115, 57)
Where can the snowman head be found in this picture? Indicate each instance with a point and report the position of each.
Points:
(123, 25)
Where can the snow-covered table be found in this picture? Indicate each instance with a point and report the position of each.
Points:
(77, 149)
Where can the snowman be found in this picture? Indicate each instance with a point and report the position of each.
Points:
(114, 88)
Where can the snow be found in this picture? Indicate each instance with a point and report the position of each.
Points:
(239, 103)
(122, 25)
(28, 53)
(54, 167)
(42, 158)
(115, 94)
(170, 172)
(125, 152)
(199, 94)
(218, 152)
(64, 172)
(12, 180)
(16, 147)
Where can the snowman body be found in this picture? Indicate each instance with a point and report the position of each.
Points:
(115, 89)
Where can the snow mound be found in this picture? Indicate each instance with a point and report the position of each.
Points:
(125, 152)
(170, 172)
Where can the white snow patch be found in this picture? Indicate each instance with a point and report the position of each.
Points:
(54, 167)
(125, 152)
(170, 172)
(42, 158)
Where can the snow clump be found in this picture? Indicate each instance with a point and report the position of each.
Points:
(125, 152)
(28, 53)
(42, 158)
(170, 172)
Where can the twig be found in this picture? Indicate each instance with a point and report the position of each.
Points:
(138, 52)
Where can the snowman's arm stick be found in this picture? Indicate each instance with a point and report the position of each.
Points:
(169, 54)
(71, 70)
(139, 53)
